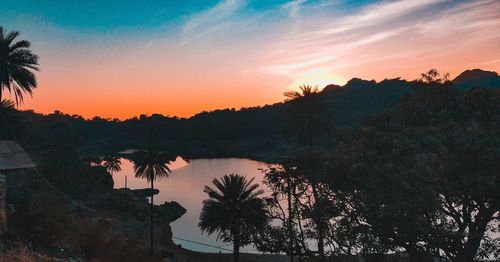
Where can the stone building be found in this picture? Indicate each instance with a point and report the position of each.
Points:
(3, 213)
(16, 170)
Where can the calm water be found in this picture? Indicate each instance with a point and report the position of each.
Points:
(185, 186)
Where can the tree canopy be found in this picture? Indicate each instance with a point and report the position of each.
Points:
(426, 174)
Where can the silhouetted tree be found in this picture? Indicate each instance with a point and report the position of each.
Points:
(234, 210)
(434, 77)
(306, 115)
(16, 65)
(301, 183)
(60, 159)
(11, 121)
(112, 164)
(317, 199)
(281, 235)
(151, 164)
(426, 174)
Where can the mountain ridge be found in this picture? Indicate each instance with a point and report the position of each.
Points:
(477, 78)
(236, 133)
(469, 77)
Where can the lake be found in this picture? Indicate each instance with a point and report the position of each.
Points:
(185, 186)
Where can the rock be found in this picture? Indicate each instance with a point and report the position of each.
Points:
(168, 212)
(136, 194)
(132, 219)
(98, 179)
(164, 234)
(135, 200)
(145, 192)
(165, 214)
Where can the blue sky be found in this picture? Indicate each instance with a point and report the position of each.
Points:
(103, 16)
(113, 16)
(109, 16)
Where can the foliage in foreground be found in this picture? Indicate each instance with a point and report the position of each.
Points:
(422, 178)
(234, 210)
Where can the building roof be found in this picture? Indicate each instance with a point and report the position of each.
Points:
(12, 156)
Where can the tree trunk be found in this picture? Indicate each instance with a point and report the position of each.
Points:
(125, 193)
(309, 134)
(476, 233)
(412, 255)
(321, 245)
(415, 255)
(319, 225)
(236, 244)
(151, 220)
(112, 189)
(290, 226)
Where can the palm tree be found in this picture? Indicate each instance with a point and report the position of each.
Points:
(152, 165)
(306, 115)
(234, 210)
(16, 65)
(112, 164)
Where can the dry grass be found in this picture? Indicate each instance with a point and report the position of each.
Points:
(20, 253)
(92, 241)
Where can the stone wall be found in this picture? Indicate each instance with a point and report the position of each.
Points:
(3, 213)
(18, 193)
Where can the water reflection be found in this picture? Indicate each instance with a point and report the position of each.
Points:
(185, 185)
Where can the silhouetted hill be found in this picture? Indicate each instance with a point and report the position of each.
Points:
(331, 87)
(249, 132)
(477, 78)
(359, 83)
(358, 99)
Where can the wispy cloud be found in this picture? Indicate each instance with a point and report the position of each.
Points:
(293, 8)
(317, 36)
(385, 31)
(211, 20)
(385, 11)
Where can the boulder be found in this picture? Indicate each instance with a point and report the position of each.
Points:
(144, 192)
(168, 212)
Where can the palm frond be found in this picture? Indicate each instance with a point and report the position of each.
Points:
(16, 63)
(112, 164)
(234, 202)
(21, 44)
(151, 164)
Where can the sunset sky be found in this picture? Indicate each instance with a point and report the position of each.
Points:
(127, 57)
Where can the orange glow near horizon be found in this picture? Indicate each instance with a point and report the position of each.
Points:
(182, 102)
(231, 56)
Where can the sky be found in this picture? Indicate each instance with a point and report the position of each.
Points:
(118, 59)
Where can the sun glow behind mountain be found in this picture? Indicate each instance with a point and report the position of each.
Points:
(125, 58)
(317, 77)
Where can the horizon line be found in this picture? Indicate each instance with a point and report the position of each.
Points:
(226, 108)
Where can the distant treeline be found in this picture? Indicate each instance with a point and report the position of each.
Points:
(249, 132)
